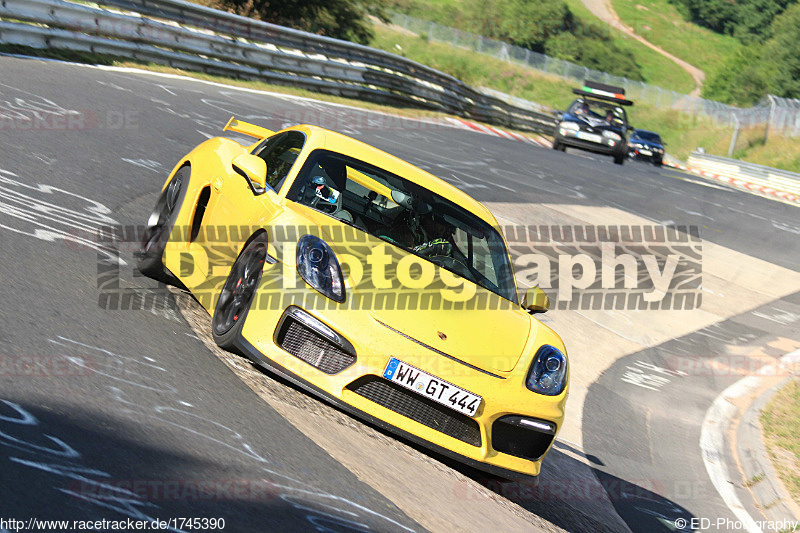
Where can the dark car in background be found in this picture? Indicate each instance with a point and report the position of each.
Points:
(646, 145)
(596, 121)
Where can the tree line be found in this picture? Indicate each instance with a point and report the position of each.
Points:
(769, 63)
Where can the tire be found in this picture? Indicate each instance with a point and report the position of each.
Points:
(153, 242)
(237, 294)
(556, 145)
(619, 159)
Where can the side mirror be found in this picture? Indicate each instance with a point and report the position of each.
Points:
(536, 301)
(254, 169)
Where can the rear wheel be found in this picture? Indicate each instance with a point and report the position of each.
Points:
(150, 257)
(238, 293)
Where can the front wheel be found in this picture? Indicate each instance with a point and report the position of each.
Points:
(238, 293)
(619, 159)
(150, 257)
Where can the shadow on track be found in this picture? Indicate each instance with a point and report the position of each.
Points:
(66, 464)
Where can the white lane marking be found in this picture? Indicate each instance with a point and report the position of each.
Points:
(713, 447)
(694, 213)
(27, 206)
(149, 164)
(114, 86)
(783, 318)
(703, 183)
(167, 89)
(786, 227)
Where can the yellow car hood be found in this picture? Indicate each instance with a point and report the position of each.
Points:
(491, 340)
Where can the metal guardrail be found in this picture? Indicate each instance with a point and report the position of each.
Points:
(766, 177)
(195, 37)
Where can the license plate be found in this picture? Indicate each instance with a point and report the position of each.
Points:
(645, 152)
(589, 137)
(430, 386)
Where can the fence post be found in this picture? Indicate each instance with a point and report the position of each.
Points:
(735, 135)
(769, 117)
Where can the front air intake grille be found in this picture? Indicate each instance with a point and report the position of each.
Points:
(420, 409)
(511, 435)
(306, 344)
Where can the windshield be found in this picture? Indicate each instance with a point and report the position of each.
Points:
(648, 136)
(598, 113)
(406, 215)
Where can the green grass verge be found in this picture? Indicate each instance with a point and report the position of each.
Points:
(780, 421)
(661, 23)
(439, 11)
(476, 69)
(656, 69)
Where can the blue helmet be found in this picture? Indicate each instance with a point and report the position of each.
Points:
(318, 180)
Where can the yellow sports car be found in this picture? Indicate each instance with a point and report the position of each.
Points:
(369, 283)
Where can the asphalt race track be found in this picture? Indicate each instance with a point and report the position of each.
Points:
(95, 404)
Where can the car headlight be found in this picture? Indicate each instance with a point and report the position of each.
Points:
(318, 266)
(548, 373)
(611, 135)
(569, 126)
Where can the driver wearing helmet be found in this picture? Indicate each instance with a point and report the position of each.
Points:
(318, 189)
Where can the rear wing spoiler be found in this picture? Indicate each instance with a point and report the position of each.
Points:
(601, 91)
(246, 128)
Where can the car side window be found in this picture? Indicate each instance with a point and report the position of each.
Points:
(280, 152)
